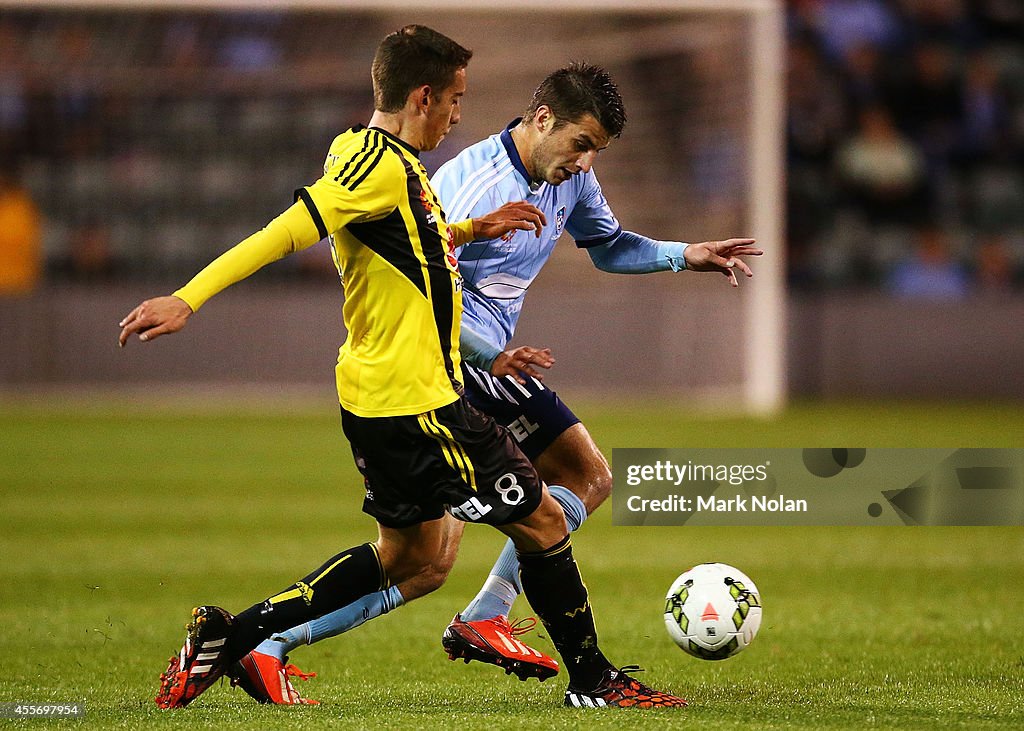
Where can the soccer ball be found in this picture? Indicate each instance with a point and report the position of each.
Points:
(713, 611)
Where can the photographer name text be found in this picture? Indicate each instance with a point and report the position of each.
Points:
(712, 504)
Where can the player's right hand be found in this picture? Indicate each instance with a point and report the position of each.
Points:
(523, 359)
(154, 318)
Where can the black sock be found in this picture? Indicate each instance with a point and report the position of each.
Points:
(339, 582)
(552, 583)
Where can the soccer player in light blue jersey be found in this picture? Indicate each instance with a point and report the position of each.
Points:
(546, 159)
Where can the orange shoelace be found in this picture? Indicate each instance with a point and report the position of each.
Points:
(293, 672)
(521, 626)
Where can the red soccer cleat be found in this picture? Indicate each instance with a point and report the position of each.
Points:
(494, 641)
(618, 690)
(266, 679)
(201, 661)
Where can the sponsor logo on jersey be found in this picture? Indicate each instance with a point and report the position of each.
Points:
(470, 511)
(522, 427)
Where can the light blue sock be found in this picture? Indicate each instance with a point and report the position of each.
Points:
(333, 624)
(575, 510)
(280, 645)
(502, 586)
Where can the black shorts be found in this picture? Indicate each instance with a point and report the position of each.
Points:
(533, 414)
(453, 459)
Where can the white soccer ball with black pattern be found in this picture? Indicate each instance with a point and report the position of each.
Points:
(713, 611)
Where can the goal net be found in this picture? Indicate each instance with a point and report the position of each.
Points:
(139, 119)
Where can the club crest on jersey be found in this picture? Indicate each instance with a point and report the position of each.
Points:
(559, 221)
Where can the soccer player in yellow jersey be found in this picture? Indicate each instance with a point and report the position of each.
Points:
(422, 449)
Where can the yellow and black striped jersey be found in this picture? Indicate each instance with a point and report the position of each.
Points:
(395, 254)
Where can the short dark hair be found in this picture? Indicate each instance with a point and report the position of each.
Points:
(579, 89)
(412, 57)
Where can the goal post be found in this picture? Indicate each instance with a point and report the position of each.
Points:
(701, 156)
(765, 365)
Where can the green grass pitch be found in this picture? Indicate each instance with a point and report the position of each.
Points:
(116, 519)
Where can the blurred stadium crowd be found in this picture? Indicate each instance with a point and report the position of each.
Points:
(147, 138)
(905, 144)
(136, 138)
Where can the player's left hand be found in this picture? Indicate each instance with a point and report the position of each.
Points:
(522, 360)
(514, 216)
(721, 256)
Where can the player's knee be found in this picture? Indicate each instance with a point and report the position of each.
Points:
(402, 569)
(431, 578)
(434, 577)
(600, 487)
(591, 483)
(404, 565)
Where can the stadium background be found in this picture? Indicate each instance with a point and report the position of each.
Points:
(151, 140)
(135, 483)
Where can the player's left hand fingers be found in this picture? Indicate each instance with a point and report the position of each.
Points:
(534, 357)
(531, 211)
(528, 216)
(529, 360)
(722, 246)
(743, 251)
(742, 266)
(514, 371)
(530, 371)
(535, 220)
(525, 224)
(715, 262)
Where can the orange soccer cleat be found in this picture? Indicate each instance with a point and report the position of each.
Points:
(266, 679)
(495, 641)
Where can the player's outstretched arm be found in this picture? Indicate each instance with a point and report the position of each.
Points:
(523, 359)
(721, 256)
(154, 318)
(518, 215)
(292, 231)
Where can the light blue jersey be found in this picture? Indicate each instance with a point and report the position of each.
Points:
(498, 272)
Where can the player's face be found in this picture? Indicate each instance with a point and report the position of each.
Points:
(567, 150)
(444, 112)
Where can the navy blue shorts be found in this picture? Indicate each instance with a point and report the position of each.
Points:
(532, 413)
